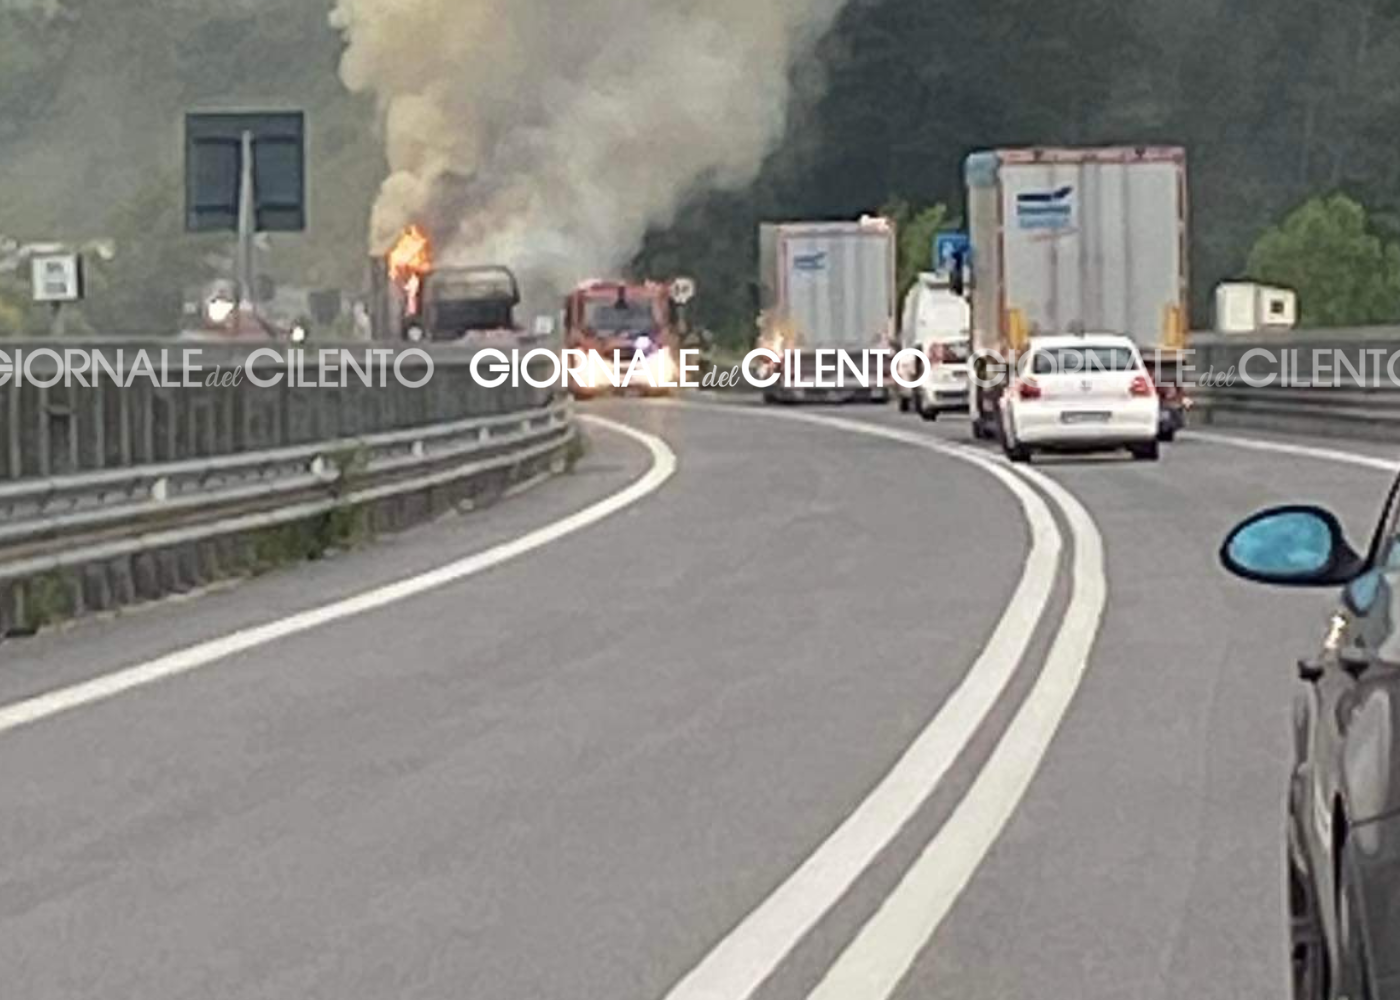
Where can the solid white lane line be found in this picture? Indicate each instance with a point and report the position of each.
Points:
(201, 655)
(880, 956)
(1389, 465)
(749, 954)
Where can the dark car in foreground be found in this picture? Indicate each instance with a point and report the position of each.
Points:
(1344, 795)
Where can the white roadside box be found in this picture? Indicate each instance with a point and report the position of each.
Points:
(1247, 306)
(57, 277)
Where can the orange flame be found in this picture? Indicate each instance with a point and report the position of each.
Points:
(409, 259)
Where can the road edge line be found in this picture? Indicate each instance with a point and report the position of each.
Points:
(1245, 443)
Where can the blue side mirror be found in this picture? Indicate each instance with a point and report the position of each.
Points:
(1292, 546)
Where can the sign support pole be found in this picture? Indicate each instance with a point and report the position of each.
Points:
(246, 225)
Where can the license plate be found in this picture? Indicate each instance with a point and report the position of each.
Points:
(1085, 417)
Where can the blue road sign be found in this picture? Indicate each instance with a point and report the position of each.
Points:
(947, 247)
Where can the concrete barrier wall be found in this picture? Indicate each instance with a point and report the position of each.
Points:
(1309, 394)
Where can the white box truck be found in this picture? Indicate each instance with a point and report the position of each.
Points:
(1069, 240)
(826, 285)
(1247, 307)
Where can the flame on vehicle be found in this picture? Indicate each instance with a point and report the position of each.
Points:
(776, 333)
(410, 259)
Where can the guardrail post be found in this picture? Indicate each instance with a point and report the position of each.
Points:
(41, 419)
(97, 407)
(14, 433)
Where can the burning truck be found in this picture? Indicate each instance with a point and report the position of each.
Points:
(415, 299)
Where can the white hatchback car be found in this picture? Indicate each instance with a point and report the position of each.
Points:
(1088, 392)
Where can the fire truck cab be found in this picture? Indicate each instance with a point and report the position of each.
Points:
(617, 319)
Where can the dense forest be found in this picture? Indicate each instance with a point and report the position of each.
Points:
(1278, 102)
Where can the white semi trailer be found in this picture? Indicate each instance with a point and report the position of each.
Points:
(1066, 240)
(825, 286)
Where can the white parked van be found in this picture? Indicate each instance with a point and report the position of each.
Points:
(936, 321)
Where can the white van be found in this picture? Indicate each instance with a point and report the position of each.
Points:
(937, 321)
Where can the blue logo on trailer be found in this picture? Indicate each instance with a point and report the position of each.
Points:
(948, 248)
(1046, 210)
(809, 262)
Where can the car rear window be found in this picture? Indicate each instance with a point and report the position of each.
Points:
(1081, 360)
(951, 352)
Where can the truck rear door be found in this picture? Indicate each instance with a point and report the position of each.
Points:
(837, 286)
(1096, 239)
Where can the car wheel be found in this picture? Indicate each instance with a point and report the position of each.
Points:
(1354, 973)
(1017, 453)
(929, 413)
(1146, 452)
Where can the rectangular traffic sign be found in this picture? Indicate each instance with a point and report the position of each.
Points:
(57, 277)
(214, 165)
(948, 249)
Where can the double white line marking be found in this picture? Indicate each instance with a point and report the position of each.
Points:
(881, 954)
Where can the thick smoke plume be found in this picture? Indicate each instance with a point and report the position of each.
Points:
(550, 134)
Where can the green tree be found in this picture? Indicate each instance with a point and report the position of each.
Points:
(1326, 250)
(916, 228)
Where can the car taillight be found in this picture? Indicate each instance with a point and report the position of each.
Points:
(1027, 389)
(1142, 386)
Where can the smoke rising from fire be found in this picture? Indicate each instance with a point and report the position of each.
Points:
(550, 135)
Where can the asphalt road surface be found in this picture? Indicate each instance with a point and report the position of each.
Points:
(841, 708)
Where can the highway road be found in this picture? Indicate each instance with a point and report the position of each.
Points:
(804, 703)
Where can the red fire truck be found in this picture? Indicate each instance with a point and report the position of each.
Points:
(617, 320)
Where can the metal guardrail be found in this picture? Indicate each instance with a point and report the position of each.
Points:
(111, 477)
(1350, 397)
(56, 524)
(72, 429)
